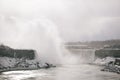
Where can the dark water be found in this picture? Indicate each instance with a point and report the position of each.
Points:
(66, 72)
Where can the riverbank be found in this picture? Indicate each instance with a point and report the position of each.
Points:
(25, 69)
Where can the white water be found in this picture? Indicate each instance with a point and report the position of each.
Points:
(66, 72)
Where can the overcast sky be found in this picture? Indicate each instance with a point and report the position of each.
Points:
(76, 20)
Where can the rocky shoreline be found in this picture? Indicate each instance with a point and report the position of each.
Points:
(19, 59)
(112, 66)
(24, 68)
(24, 65)
(109, 64)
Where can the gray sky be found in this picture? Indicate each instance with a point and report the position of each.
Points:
(76, 20)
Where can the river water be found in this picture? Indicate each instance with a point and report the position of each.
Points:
(65, 72)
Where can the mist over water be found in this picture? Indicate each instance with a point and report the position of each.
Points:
(39, 34)
(34, 24)
(84, 55)
(42, 35)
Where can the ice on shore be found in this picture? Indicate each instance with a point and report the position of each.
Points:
(7, 62)
(104, 61)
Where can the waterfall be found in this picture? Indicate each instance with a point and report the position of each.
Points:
(83, 55)
(42, 35)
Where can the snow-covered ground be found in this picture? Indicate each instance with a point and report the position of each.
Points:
(7, 62)
(104, 61)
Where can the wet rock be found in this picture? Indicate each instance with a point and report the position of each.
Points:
(17, 59)
(112, 66)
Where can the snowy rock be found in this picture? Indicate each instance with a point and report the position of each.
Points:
(104, 61)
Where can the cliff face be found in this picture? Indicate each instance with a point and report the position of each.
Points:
(6, 51)
(107, 53)
(19, 59)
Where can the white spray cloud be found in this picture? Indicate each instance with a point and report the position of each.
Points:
(83, 19)
(30, 23)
